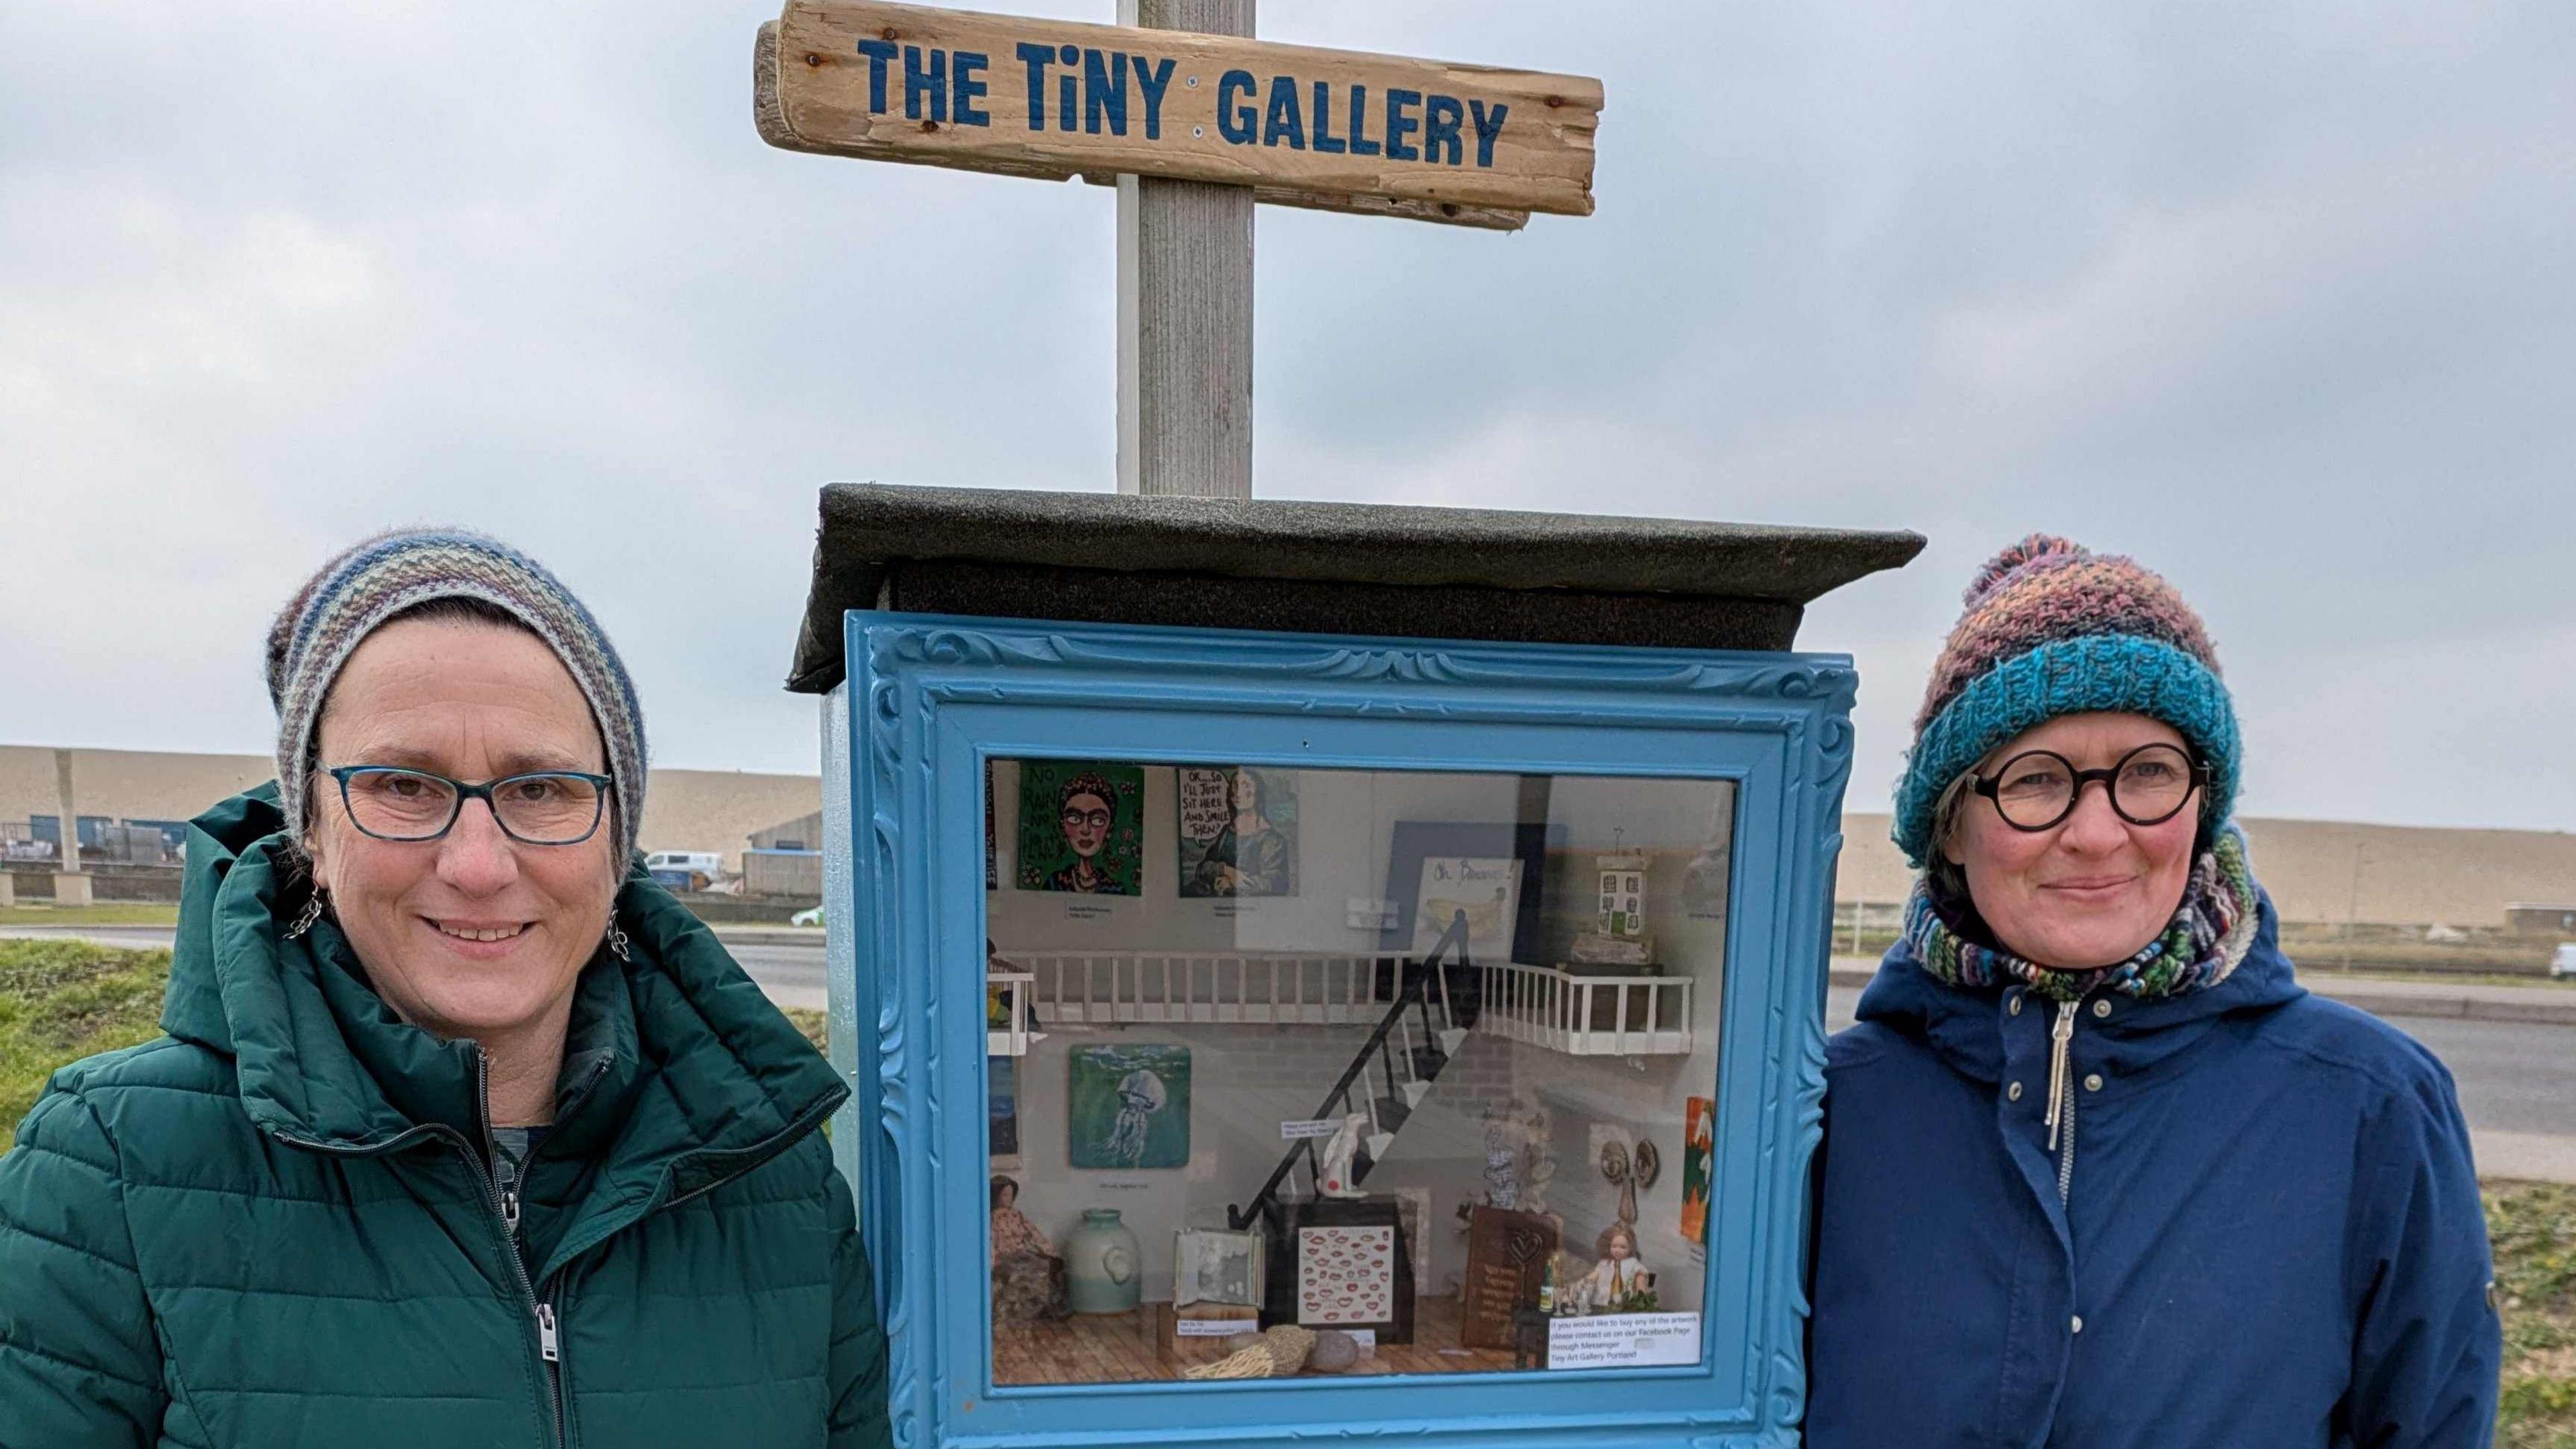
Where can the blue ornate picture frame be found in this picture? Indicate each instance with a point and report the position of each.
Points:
(930, 699)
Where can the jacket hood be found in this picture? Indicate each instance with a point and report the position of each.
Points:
(1960, 1023)
(677, 1074)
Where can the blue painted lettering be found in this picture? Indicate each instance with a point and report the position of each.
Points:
(1035, 58)
(1104, 91)
(1400, 124)
(1236, 120)
(878, 52)
(1440, 118)
(1489, 124)
(1064, 91)
(1325, 141)
(1361, 145)
(1150, 81)
(966, 87)
(920, 80)
(1284, 122)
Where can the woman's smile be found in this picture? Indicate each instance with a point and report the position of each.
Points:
(479, 940)
(2092, 889)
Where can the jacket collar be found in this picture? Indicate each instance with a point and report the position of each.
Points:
(1965, 1025)
(677, 1074)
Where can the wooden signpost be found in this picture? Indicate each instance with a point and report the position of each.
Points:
(1179, 119)
(1055, 99)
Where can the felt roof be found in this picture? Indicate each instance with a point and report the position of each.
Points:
(1310, 567)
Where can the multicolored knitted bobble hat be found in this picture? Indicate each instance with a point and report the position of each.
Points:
(2052, 628)
(380, 577)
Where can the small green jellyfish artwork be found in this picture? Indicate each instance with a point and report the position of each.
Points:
(1128, 1107)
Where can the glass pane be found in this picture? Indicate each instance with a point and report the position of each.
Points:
(1420, 1063)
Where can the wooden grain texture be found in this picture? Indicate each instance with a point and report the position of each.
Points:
(823, 96)
(1133, 1347)
(771, 121)
(1506, 1259)
(1185, 307)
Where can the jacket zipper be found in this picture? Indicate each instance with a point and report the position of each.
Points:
(549, 1344)
(505, 1206)
(2061, 1098)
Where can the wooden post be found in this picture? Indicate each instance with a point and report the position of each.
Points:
(1185, 309)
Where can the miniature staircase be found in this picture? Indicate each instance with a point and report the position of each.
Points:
(1390, 1074)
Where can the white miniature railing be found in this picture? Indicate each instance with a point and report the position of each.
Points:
(1013, 1038)
(1587, 1016)
(1196, 986)
(1577, 1015)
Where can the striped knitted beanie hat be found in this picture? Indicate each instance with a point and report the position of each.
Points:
(381, 577)
(2053, 629)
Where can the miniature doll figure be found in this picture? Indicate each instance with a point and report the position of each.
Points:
(1619, 1279)
(1028, 1274)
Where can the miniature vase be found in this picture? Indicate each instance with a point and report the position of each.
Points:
(1103, 1264)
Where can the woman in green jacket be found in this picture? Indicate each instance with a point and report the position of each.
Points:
(463, 1132)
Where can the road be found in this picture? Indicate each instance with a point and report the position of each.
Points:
(2517, 1085)
(2517, 1080)
(792, 975)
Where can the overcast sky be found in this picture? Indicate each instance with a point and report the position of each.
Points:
(2279, 298)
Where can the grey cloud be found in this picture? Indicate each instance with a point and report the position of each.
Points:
(2272, 296)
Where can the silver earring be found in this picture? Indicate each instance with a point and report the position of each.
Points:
(305, 918)
(617, 940)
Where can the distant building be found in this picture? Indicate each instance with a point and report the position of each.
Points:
(703, 810)
(2524, 919)
(2316, 871)
(805, 832)
(786, 860)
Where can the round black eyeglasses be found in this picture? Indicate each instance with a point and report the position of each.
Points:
(544, 807)
(2037, 789)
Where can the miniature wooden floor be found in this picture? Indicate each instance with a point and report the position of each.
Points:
(1124, 1348)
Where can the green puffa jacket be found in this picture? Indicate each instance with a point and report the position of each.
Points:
(274, 1227)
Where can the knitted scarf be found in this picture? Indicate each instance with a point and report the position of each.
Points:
(2210, 933)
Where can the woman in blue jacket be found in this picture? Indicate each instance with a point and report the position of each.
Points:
(2097, 1171)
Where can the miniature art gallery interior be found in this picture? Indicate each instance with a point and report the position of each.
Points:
(1286, 951)
(1401, 1053)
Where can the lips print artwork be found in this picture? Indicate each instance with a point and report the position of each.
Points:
(1345, 1275)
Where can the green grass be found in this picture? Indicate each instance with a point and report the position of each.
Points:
(112, 914)
(2533, 1227)
(64, 1000)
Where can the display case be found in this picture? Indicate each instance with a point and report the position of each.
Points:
(1263, 1033)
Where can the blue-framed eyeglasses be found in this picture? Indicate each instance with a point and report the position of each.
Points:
(542, 807)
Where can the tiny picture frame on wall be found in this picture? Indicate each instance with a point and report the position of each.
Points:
(1128, 1107)
(1238, 831)
(1082, 827)
(1493, 873)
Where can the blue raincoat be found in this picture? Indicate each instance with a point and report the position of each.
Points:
(2259, 1225)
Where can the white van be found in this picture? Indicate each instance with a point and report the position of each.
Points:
(2564, 963)
(686, 869)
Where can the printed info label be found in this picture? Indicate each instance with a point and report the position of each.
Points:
(1622, 1340)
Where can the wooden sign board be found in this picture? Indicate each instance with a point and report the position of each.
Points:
(1507, 1255)
(1048, 98)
